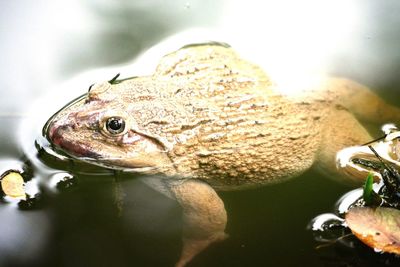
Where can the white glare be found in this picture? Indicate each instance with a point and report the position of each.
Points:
(292, 39)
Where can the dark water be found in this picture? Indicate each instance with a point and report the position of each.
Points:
(113, 219)
(102, 218)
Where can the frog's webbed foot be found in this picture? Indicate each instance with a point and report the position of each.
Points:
(204, 217)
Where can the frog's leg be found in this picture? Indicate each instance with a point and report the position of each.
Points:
(344, 131)
(204, 217)
(364, 103)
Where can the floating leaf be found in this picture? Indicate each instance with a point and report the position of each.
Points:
(12, 184)
(378, 228)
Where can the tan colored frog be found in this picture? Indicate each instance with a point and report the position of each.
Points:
(208, 119)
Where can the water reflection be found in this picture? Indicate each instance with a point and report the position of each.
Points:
(112, 208)
(24, 235)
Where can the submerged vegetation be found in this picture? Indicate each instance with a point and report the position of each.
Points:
(375, 219)
(374, 216)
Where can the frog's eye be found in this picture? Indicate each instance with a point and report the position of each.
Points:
(115, 125)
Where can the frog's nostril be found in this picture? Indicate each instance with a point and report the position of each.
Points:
(55, 133)
(57, 127)
(59, 135)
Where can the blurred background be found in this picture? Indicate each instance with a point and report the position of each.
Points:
(46, 42)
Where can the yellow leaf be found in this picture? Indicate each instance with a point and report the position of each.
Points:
(378, 228)
(13, 185)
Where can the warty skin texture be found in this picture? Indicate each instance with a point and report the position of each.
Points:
(207, 119)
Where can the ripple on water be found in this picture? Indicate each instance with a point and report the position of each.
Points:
(23, 233)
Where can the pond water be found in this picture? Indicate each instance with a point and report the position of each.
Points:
(97, 217)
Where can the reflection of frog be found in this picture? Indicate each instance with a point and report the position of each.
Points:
(208, 119)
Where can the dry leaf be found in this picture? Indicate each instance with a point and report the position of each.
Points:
(378, 228)
(13, 185)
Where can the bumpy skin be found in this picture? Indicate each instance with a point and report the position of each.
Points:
(214, 120)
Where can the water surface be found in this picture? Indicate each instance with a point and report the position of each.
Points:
(103, 218)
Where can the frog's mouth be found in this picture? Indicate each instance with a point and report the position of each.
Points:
(65, 138)
(85, 153)
(55, 128)
(74, 148)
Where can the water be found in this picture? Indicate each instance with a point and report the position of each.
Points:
(102, 218)
(132, 223)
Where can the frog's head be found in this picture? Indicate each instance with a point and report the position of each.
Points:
(98, 128)
(358, 161)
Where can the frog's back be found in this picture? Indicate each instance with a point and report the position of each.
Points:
(223, 120)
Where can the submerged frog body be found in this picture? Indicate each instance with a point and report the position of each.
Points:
(208, 119)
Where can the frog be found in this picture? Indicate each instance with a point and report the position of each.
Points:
(207, 120)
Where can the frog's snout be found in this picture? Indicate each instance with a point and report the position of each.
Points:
(59, 135)
(57, 127)
(54, 133)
